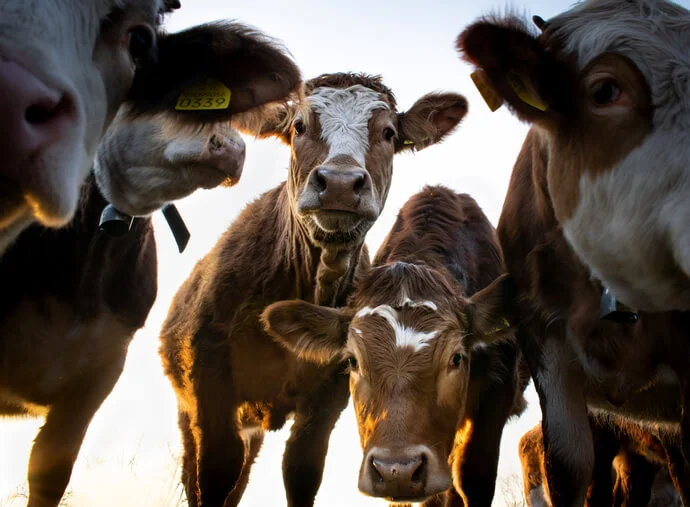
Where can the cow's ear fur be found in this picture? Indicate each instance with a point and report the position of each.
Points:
(255, 69)
(513, 63)
(314, 333)
(492, 312)
(429, 120)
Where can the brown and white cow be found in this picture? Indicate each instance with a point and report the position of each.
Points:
(303, 239)
(630, 470)
(72, 298)
(607, 86)
(589, 117)
(433, 370)
(66, 66)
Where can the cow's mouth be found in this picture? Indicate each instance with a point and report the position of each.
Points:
(335, 221)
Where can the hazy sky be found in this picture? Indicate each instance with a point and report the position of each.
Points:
(131, 451)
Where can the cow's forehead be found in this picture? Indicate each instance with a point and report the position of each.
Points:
(654, 34)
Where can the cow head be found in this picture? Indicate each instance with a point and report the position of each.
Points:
(607, 85)
(343, 145)
(407, 338)
(66, 66)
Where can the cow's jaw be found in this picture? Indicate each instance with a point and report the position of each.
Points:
(625, 214)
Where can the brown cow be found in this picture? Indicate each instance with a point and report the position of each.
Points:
(72, 298)
(303, 239)
(630, 469)
(433, 370)
(638, 370)
(606, 85)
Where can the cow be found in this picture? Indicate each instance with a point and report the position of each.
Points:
(434, 372)
(631, 467)
(73, 297)
(636, 369)
(67, 67)
(303, 239)
(606, 86)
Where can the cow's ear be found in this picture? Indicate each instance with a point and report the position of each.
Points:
(210, 72)
(492, 312)
(314, 333)
(513, 65)
(429, 120)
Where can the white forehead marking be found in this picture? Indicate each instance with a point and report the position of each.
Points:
(404, 336)
(428, 304)
(344, 114)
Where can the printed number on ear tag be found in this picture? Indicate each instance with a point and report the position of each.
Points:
(210, 94)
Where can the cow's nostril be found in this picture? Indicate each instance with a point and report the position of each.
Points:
(320, 181)
(359, 184)
(418, 475)
(46, 110)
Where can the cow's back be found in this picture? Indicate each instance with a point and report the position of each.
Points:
(440, 226)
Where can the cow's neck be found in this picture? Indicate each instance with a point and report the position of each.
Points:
(323, 275)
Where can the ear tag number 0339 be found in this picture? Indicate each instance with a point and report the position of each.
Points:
(208, 95)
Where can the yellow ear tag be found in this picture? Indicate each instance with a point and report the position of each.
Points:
(492, 99)
(525, 95)
(408, 142)
(208, 95)
(506, 325)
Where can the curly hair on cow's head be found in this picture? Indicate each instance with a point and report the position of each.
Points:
(347, 79)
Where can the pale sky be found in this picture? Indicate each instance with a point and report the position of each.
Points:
(131, 453)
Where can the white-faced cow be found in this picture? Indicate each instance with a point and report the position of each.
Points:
(72, 298)
(592, 111)
(607, 87)
(66, 66)
(630, 469)
(433, 371)
(303, 239)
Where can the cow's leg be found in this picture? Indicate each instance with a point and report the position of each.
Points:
(305, 450)
(568, 447)
(57, 445)
(606, 447)
(189, 475)
(220, 448)
(531, 455)
(677, 467)
(635, 476)
(253, 446)
(475, 461)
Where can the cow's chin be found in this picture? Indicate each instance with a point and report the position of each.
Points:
(338, 227)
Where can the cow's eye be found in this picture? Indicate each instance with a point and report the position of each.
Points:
(141, 40)
(456, 360)
(388, 134)
(352, 364)
(605, 92)
(299, 127)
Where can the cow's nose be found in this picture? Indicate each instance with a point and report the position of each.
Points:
(339, 189)
(398, 477)
(32, 115)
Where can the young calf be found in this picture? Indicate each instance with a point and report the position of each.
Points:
(72, 298)
(66, 67)
(433, 374)
(304, 239)
(606, 87)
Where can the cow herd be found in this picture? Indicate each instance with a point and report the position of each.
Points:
(437, 337)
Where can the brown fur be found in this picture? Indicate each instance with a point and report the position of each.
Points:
(615, 365)
(630, 468)
(213, 345)
(71, 302)
(576, 359)
(442, 249)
